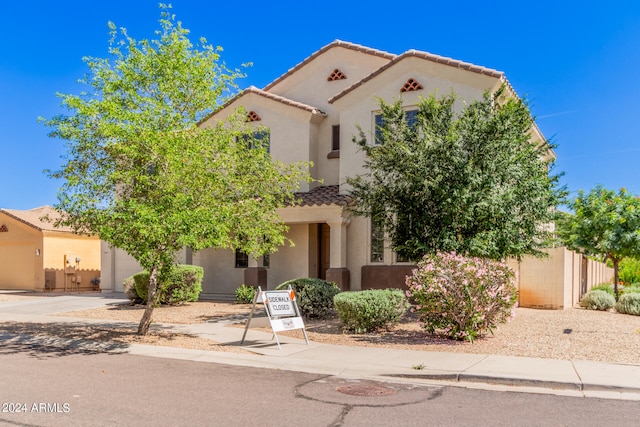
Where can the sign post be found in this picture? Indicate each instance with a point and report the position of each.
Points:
(282, 311)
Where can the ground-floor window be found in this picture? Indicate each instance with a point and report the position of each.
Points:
(377, 242)
(242, 259)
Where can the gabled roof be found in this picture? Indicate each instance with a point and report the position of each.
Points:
(252, 89)
(323, 195)
(335, 43)
(423, 55)
(33, 218)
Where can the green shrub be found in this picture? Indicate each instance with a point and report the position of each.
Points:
(314, 296)
(629, 270)
(245, 294)
(607, 287)
(182, 284)
(370, 310)
(129, 287)
(461, 297)
(629, 303)
(635, 288)
(598, 300)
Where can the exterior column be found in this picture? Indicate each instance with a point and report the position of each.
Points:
(255, 274)
(338, 271)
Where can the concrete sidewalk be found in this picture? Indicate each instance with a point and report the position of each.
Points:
(578, 378)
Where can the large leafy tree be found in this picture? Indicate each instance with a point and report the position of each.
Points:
(142, 175)
(604, 223)
(472, 182)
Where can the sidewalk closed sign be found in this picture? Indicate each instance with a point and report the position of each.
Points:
(280, 303)
(282, 311)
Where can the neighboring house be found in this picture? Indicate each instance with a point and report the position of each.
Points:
(34, 255)
(311, 113)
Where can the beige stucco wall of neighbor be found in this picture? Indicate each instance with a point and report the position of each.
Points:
(56, 245)
(20, 266)
(555, 282)
(28, 256)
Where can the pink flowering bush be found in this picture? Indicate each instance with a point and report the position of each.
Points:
(461, 297)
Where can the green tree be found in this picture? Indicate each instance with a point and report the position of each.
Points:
(143, 176)
(604, 223)
(474, 182)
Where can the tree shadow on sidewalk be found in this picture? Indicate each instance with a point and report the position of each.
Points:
(45, 340)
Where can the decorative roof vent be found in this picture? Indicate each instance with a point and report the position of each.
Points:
(411, 85)
(3, 229)
(336, 75)
(252, 116)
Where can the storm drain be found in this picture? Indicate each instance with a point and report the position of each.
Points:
(365, 390)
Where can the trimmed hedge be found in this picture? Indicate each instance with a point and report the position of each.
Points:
(370, 310)
(183, 284)
(314, 296)
(598, 300)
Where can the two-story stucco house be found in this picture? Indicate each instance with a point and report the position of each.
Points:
(311, 113)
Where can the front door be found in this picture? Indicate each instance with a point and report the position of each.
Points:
(324, 250)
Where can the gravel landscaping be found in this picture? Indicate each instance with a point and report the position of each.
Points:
(572, 334)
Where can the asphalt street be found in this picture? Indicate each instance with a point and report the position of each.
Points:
(49, 386)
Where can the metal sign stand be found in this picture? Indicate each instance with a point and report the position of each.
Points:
(282, 311)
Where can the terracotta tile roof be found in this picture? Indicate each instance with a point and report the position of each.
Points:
(33, 218)
(277, 98)
(335, 43)
(323, 195)
(429, 57)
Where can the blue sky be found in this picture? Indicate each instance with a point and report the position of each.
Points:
(576, 62)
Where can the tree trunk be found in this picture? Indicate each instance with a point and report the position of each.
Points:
(145, 322)
(615, 276)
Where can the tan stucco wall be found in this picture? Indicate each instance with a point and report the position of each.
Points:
(20, 266)
(28, 256)
(117, 265)
(56, 245)
(221, 278)
(360, 106)
(290, 262)
(555, 282)
(292, 131)
(309, 85)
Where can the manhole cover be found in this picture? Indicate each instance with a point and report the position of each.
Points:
(365, 390)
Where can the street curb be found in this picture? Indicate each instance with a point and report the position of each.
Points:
(493, 380)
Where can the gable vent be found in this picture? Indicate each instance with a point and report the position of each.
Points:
(411, 85)
(336, 75)
(252, 116)
(3, 229)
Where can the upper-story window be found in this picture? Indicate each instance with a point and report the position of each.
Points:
(410, 116)
(335, 137)
(260, 136)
